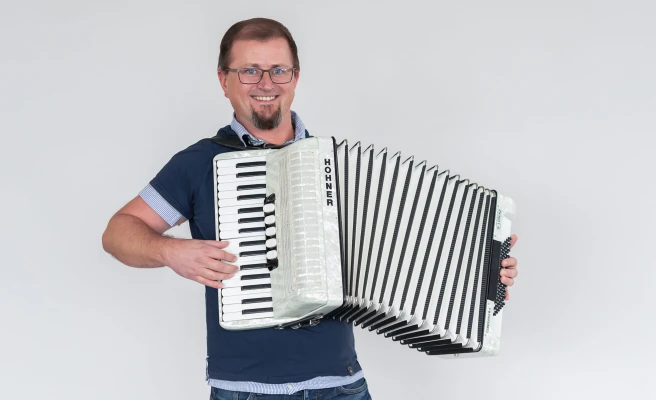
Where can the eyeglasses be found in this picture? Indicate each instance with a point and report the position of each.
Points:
(251, 76)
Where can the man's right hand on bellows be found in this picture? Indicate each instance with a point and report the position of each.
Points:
(200, 260)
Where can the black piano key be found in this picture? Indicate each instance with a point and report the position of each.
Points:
(252, 243)
(256, 300)
(251, 187)
(252, 266)
(251, 174)
(252, 253)
(250, 210)
(251, 164)
(257, 310)
(249, 220)
(256, 276)
(251, 196)
(249, 230)
(254, 287)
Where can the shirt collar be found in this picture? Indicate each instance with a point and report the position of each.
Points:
(299, 130)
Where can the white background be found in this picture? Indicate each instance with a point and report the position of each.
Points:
(552, 103)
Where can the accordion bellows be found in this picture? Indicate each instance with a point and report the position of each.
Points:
(324, 231)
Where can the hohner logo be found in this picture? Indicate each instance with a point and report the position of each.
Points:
(328, 169)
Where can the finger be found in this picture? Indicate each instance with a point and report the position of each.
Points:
(217, 254)
(209, 282)
(215, 276)
(507, 281)
(513, 240)
(510, 262)
(217, 243)
(220, 267)
(507, 294)
(510, 273)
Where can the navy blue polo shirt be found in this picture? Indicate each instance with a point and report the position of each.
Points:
(259, 355)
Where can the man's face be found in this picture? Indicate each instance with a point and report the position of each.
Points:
(265, 103)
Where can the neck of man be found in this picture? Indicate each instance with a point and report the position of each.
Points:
(284, 132)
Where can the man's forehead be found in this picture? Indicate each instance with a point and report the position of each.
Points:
(262, 54)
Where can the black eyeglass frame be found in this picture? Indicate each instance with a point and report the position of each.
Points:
(261, 75)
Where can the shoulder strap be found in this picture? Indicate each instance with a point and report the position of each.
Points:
(229, 138)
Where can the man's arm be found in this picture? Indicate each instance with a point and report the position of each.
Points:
(135, 237)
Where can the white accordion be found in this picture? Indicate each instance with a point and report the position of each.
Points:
(323, 231)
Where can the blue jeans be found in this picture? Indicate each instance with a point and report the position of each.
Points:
(357, 390)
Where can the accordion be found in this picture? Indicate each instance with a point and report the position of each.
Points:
(323, 231)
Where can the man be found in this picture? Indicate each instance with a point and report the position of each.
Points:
(258, 70)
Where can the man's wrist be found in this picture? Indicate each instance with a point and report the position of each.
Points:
(162, 249)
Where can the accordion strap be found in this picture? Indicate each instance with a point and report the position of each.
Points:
(231, 139)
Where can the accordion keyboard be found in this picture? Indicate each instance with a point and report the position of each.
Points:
(241, 187)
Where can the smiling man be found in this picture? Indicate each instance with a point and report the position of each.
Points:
(259, 78)
(258, 70)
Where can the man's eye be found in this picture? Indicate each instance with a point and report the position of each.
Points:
(278, 71)
(250, 71)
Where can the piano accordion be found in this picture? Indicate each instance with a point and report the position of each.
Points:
(399, 247)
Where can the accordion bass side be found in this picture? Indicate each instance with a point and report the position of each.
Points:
(323, 231)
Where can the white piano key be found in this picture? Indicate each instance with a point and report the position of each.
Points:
(269, 208)
(238, 298)
(236, 217)
(270, 220)
(252, 271)
(240, 317)
(234, 171)
(270, 231)
(234, 178)
(234, 194)
(230, 283)
(239, 210)
(242, 203)
(239, 291)
(230, 308)
(247, 260)
(232, 163)
(259, 180)
(270, 243)
(230, 235)
(272, 254)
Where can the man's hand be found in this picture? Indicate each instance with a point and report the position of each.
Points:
(200, 260)
(509, 272)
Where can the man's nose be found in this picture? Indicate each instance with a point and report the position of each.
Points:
(265, 83)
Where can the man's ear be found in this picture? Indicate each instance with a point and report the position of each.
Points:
(223, 79)
(297, 74)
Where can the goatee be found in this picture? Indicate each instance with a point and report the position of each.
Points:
(267, 123)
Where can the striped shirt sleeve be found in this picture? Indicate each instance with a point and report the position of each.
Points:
(160, 205)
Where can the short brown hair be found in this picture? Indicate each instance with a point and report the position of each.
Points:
(255, 29)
